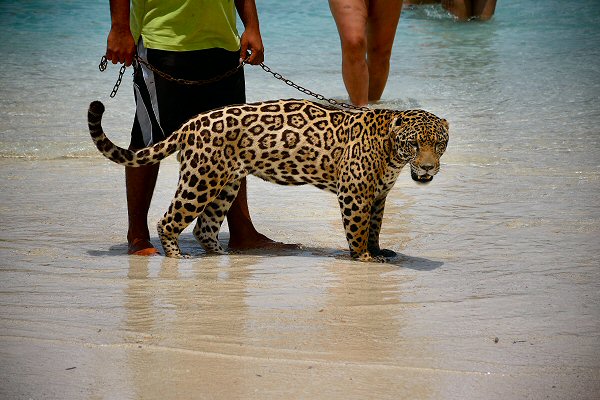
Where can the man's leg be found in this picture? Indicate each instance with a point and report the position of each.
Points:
(140, 182)
(242, 233)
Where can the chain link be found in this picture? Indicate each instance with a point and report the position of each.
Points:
(181, 81)
(304, 90)
(276, 75)
(102, 68)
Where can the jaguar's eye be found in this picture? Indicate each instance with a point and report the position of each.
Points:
(414, 145)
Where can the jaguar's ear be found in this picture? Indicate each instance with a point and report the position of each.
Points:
(397, 121)
(395, 128)
(445, 124)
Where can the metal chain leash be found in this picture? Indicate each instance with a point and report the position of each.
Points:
(181, 81)
(310, 92)
(102, 68)
(164, 75)
(278, 76)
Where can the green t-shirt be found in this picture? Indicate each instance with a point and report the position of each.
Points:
(185, 25)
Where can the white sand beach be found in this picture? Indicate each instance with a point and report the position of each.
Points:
(457, 315)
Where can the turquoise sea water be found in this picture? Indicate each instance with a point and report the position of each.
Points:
(531, 74)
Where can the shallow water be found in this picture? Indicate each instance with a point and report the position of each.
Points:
(504, 243)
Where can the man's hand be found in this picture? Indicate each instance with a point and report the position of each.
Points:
(251, 41)
(120, 46)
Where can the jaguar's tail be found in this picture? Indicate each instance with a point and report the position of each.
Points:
(147, 156)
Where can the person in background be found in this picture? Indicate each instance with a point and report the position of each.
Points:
(367, 29)
(464, 10)
(193, 40)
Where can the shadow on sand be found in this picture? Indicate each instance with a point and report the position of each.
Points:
(190, 246)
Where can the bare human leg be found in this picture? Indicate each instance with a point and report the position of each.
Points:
(351, 19)
(243, 234)
(484, 9)
(381, 30)
(460, 8)
(140, 183)
(465, 9)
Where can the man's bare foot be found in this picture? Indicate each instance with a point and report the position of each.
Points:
(141, 247)
(260, 241)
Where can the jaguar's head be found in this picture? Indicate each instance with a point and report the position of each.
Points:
(421, 139)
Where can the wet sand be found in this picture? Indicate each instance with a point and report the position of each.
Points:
(476, 306)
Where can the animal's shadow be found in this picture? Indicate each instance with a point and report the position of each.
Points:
(188, 245)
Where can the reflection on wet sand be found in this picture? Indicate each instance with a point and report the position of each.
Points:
(180, 317)
(231, 325)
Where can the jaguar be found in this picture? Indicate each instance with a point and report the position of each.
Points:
(358, 155)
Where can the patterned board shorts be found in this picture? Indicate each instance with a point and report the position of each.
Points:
(162, 105)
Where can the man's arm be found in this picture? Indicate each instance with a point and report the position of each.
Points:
(120, 46)
(251, 39)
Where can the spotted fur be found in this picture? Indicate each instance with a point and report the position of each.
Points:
(356, 155)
